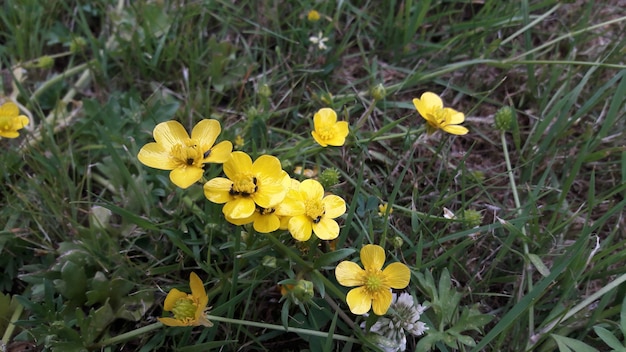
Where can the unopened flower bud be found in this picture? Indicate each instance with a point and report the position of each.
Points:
(472, 218)
(313, 16)
(265, 91)
(78, 44)
(45, 62)
(397, 242)
(329, 178)
(378, 92)
(504, 118)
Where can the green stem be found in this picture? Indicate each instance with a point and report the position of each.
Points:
(125, 336)
(9, 331)
(518, 206)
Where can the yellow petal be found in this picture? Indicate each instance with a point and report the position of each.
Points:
(237, 164)
(170, 133)
(197, 290)
(290, 207)
(334, 206)
(171, 322)
(455, 129)
(300, 227)
(154, 155)
(324, 117)
(359, 301)
(372, 257)
(243, 221)
(239, 208)
(9, 134)
(22, 121)
(9, 109)
(220, 153)
(319, 139)
(217, 190)
(266, 223)
(269, 192)
(381, 302)
(267, 166)
(172, 297)
(431, 100)
(184, 177)
(397, 275)
(453, 117)
(206, 132)
(326, 229)
(311, 189)
(349, 274)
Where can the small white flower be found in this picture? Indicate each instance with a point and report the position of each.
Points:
(319, 41)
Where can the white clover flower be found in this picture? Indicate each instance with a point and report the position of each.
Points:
(319, 41)
(402, 318)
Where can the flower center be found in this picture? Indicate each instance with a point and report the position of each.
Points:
(185, 309)
(314, 209)
(326, 132)
(265, 211)
(189, 154)
(6, 123)
(440, 118)
(244, 185)
(374, 281)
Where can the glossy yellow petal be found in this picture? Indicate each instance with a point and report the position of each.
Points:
(170, 133)
(243, 221)
(372, 257)
(22, 121)
(9, 134)
(237, 164)
(319, 139)
(172, 297)
(311, 189)
(397, 275)
(217, 190)
(359, 301)
(220, 153)
(206, 132)
(269, 192)
(267, 166)
(184, 177)
(9, 109)
(431, 101)
(154, 155)
(381, 302)
(197, 290)
(171, 322)
(453, 117)
(324, 117)
(239, 208)
(266, 223)
(455, 129)
(334, 206)
(290, 206)
(300, 228)
(326, 229)
(349, 274)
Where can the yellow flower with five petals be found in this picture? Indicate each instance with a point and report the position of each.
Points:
(188, 309)
(11, 121)
(174, 150)
(327, 130)
(430, 106)
(374, 283)
(263, 183)
(319, 213)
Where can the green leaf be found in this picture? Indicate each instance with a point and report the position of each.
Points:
(609, 338)
(539, 265)
(567, 344)
(333, 257)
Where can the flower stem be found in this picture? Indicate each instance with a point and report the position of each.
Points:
(125, 336)
(11, 327)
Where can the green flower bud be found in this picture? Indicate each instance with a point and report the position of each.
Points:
(329, 178)
(477, 175)
(504, 118)
(472, 218)
(326, 98)
(303, 291)
(265, 91)
(269, 261)
(378, 92)
(397, 242)
(252, 113)
(45, 62)
(78, 44)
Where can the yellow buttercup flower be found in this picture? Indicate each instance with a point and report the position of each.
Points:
(382, 209)
(430, 106)
(327, 131)
(374, 284)
(313, 16)
(319, 213)
(188, 309)
(174, 150)
(248, 185)
(11, 121)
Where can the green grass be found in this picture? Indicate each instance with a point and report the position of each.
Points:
(91, 240)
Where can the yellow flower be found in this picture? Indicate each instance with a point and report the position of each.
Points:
(430, 106)
(185, 156)
(239, 142)
(188, 309)
(248, 185)
(11, 121)
(319, 212)
(327, 130)
(374, 284)
(313, 16)
(382, 209)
